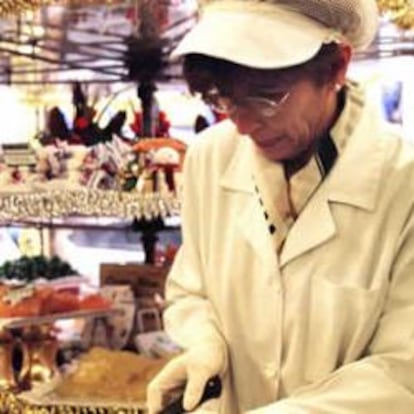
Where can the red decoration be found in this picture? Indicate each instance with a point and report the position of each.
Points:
(162, 128)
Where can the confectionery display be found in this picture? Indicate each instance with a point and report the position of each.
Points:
(156, 166)
(103, 166)
(36, 294)
(110, 179)
(82, 167)
(39, 286)
(67, 344)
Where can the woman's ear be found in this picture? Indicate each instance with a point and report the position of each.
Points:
(342, 64)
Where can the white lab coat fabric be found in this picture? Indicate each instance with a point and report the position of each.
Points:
(327, 326)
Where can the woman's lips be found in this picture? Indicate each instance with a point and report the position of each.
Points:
(266, 144)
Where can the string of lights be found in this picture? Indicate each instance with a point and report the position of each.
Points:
(12, 7)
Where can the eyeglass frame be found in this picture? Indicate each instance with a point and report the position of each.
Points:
(218, 105)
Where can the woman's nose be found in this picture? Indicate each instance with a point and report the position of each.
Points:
(244, 120)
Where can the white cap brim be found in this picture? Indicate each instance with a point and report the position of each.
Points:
(264, 37)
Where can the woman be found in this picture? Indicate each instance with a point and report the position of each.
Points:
(295, 280)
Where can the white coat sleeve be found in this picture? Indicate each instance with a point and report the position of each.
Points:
(190, 318)
(383, 381)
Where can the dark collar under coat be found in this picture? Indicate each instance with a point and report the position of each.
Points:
(354, 180)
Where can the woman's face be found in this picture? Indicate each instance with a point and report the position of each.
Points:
(300, 119)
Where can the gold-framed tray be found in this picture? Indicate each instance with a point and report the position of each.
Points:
(20, 322)
(15, 404)
(44, 400)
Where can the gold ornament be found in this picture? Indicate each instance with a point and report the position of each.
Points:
(39, 360)
(44, 206)
(392, 5)
(405, 20)
(7, 374)
(399, 12)
(17, 6)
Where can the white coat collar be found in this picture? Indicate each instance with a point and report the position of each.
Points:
(238, 174)
(354, 180)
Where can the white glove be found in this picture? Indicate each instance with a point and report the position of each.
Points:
(191, 370)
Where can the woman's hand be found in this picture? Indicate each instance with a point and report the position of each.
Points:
(189, 371)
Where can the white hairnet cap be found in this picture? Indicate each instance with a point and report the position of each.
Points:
(278, 33)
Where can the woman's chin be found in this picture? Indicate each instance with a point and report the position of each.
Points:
(277, 153)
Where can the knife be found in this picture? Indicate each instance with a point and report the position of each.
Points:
(211, 390)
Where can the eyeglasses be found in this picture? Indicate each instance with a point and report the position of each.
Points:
(259, 105)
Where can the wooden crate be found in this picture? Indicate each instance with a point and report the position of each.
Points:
(145, 280)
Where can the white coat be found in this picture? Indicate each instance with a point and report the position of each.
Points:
(326, 327)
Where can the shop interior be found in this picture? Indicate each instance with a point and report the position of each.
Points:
(95, 121)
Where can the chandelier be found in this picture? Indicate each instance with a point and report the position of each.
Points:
(400, 12)
(9, 7)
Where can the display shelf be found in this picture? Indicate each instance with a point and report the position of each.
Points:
(46, 205)
(76, 222)
(90, 209)
(10, 323)
(170, 223)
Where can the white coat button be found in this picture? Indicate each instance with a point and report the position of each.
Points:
(271, 371)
